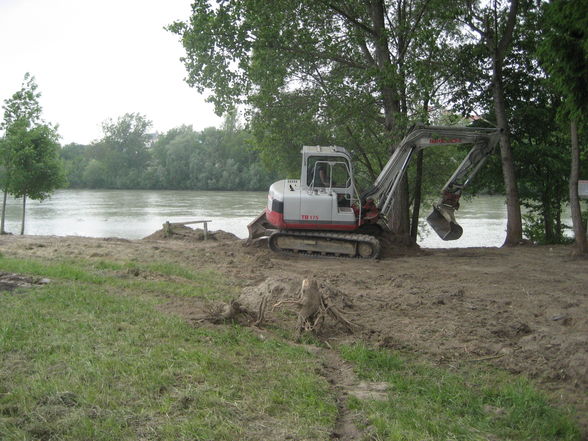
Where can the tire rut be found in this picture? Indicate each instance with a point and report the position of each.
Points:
(344, 384)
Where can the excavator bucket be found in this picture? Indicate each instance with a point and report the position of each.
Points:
(443, 222)
(259, 227)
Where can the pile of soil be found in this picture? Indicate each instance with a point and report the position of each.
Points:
(523, 309)
(397, 246)
(185, 233)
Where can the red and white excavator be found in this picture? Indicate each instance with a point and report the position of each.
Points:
(323, 214)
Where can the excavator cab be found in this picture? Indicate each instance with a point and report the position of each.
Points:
(327, 188)
(321, 200)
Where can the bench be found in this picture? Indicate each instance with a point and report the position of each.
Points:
(168, 227)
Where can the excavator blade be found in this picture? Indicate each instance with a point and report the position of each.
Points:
(443, 222)
(258, 228)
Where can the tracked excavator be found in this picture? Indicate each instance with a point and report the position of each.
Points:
(323, 214)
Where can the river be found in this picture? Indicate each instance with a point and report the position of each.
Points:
(138, 213)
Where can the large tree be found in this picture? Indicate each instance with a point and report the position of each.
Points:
(564, 53)
(494, 24)
(29, 150)
(122, 152)
(336, 69)
(531, 105)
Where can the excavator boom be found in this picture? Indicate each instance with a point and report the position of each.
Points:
(442, 219)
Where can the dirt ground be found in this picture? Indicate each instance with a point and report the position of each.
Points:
(523, 309)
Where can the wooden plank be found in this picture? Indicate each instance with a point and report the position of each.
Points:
(196, 222)
(189, 223)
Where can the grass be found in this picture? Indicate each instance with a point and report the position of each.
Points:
(157, 278)
(78, 360)
(89, 356)
(434, 403)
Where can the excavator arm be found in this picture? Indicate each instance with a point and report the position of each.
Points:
(442, 218)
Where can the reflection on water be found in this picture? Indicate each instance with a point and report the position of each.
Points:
(138, 213)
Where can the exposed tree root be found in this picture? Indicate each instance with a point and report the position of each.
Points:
(313, 307)
(312, 303)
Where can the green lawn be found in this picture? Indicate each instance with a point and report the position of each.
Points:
(90, 357)
(432, 403)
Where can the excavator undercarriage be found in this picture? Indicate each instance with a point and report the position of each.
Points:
(325, 244)
(314, 243)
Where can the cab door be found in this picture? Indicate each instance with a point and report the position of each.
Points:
(342, 187)
(315, 208)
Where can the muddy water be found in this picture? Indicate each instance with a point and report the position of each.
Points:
(138, 213)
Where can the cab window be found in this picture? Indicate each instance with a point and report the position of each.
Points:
(327, 171)
(340, 175)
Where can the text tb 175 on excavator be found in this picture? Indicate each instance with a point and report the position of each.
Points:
(322, 213)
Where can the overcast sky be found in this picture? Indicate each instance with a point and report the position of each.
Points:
(99, 59)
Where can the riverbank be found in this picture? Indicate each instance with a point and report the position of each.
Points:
(461, 312)
(134, 214)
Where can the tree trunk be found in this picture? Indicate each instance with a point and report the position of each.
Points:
(390, 98)
(514, 225)
(558, 226)
(24, 204)
(400, 222)
(579, 231)
(557, 210)
(416, 207)
(498, 47)
(548, 226)
(2, 230)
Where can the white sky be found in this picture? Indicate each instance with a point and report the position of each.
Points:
(99, 59)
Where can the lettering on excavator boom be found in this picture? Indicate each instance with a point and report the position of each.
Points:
(445, 141)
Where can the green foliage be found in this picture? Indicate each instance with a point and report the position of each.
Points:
(312, 73)
(23, 105)
(74, 163)
(95, 175)
(563, 52)
(122, 151)
(536, 227)
(36, 167)
(181, 159)
(540, 148)
(29, 151)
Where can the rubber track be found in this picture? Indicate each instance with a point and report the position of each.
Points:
(347, 237)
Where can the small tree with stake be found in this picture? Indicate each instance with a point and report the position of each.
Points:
(29, 151)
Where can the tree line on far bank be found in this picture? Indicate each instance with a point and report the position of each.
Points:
(129, 157)
(33, 164)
